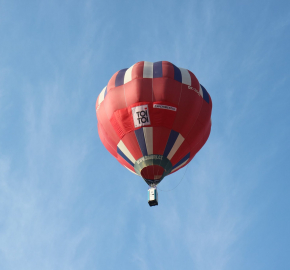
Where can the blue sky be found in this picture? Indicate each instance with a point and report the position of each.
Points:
(66, 203)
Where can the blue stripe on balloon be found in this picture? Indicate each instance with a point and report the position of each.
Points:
(205, 94)
(157, 69)
(141, 140)
(105, 92)
(177, 74)
(171, 140)
(120, 77)
(124, 156)
(181, 161)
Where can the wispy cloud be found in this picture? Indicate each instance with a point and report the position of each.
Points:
(37, 198)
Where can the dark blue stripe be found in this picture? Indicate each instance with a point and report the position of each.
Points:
(181, 161)
(157, 69)
(177, 74)
(120, 77)
(124, 156)
(171, 140)
(205, 94)
(105, 92)
(141, 140)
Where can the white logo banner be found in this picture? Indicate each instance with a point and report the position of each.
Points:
(141, 116)
(165, 107)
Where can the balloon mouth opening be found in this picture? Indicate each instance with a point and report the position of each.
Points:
(152, 172)
(153, 168)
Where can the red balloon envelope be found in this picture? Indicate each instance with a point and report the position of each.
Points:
(153, 118)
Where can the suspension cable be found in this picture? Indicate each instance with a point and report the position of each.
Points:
(166, 190)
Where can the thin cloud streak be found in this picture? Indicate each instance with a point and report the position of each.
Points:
(39, 199)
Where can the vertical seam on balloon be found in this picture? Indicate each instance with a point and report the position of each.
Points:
(128, 74)
(140, 140)
(195, 120)
(180, 94)
(125, 95)
(109, 143)
(109, 121)
(177, 108)
(109, 118)
(157, 168)
(147, 131)
(170, 142)
(203, 135)
(106, 138)
(166, 148)
(168, 153)
(200, 91)
(195, 123)
(185, 76)
(160, 159)
(101, 96)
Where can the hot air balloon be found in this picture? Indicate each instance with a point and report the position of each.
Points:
(154, 118)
